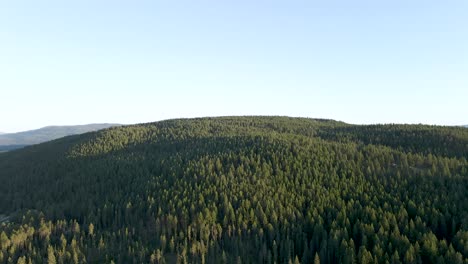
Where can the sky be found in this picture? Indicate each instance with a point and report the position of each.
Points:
(361, 62)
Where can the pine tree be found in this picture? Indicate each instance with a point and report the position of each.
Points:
(51, 256)
(316, 259)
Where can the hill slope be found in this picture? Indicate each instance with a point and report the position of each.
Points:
(239, 189)
(21, 139)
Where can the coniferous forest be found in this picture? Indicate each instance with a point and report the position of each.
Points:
(239, 190)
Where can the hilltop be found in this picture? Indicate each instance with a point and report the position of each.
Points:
(239, 190)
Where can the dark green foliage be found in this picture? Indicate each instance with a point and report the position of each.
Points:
(239, 190)
(444, 141)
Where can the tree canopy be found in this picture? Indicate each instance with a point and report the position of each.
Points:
(239, 190)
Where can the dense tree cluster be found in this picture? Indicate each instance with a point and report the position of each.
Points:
(239, 190)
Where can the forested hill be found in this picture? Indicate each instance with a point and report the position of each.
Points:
(239, 190)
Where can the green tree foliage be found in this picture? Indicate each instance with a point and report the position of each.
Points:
(239, 190)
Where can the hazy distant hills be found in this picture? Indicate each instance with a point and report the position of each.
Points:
(11, 141)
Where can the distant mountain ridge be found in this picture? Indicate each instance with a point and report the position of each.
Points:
(11, 141)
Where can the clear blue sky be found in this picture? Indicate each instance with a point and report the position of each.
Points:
(77, 62)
